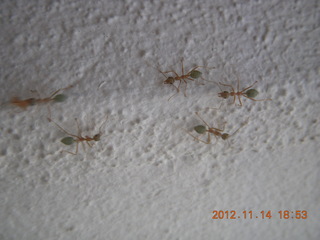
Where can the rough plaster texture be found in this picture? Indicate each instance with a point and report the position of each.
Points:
(147, 178)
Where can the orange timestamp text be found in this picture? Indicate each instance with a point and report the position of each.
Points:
(282, 214)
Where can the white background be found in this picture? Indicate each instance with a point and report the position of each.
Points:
(147, 178)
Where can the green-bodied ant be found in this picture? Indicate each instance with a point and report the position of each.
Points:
(191, 75)
(78, 138)
(201, 129)
(247, 92)
(54, 97)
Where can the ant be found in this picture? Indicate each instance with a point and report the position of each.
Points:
(191, 75)
(201, 129)
(247, 92)
(54, 97)
(78, 138)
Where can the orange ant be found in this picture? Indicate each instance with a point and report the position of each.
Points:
(191, 75)
(78, 138)
(246, 92)
(54, 97)
(201, 129)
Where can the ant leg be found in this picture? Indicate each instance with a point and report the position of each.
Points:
(77, 147)
(190, 79)
(75, 153)
(83, 146)
(227, 85)
(216, 140)
(197, 82)
(178, 89)
(202, 120)
(228, 142)
(172, 96)
(182, 69)
(196, 138)
(216, 108)
(79, 131)
(206, 142)
(68, 152)
(258, 100)
(208, 139)
(55, 93)
(218, 86)
(240, 101)
(240, 127)
(61, 89)
(89, 144)
(70, 134)
(234, 99)
(249, 86)
(193, 69)
(238, 84)
(36, 92)
(224, 124)
(185, 89)
(104, 122)
(205, 67)
(49, 111)
(177, 75)
(162, 73)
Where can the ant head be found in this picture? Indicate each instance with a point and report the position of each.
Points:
(67, 140)
(169, 80)
(200, 129)
(97, 137)
(195, 74)
(251, 93)
(225, 136)
(224, 94)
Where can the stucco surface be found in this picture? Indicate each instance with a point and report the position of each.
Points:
(147, 178)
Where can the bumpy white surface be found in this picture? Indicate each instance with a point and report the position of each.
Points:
(146, 178)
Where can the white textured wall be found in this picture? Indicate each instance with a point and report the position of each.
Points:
(146, 178)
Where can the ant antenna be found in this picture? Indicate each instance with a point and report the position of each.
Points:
(246, 122)
(104, 122)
